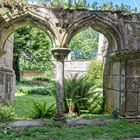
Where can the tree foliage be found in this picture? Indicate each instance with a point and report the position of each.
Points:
(95, 73)
(31, 50)
(84, 45)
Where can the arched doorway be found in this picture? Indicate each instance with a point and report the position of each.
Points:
(111, 76)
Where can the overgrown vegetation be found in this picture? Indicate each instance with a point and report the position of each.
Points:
(48, 87)
(29, 91)
(24, 107)
(31, 50)
(117, 130)
(6, 112)
(81, 96)
(94, 73)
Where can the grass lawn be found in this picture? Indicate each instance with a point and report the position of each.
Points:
(24, 104)
(117, 130)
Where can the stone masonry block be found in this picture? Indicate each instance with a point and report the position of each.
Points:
(131, 101)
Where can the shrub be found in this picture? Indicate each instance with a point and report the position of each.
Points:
(45, 79)
(50, 88)
(81, 96)
(6, 112)
(25, 82)
(39, 90)
(95, 73)
(42, 111)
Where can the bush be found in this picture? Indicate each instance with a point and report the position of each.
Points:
(81, 96)
(38, 90)
(42, 111)
(45, 79)
(95, 73)
(6, 112)
(25, 82)
(28, 88)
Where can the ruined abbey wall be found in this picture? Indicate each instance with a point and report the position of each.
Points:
(7, 76)
(122, 56)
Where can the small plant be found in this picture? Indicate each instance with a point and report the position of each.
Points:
(42, 111)
(6, 112)
(115, 114)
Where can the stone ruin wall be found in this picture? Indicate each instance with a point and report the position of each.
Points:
(7, 76)
(73, 67)
(122, 65)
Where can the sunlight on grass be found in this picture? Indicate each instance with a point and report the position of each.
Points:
(24, 104)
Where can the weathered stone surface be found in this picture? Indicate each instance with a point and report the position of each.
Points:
(116, 68)
(131, 101)
(122, 84)
(122, 55)
(138, 102)
(115, 82)
(112, 100)
(60, 54)
(73, 67)
(107, 82)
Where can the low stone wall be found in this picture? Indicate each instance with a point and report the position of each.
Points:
(73, 67)
(31, 74)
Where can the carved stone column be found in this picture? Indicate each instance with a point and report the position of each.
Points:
(60, 54)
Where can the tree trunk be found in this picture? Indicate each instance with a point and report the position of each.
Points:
(16, 67)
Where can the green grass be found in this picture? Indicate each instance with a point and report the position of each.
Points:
(24, 106)
(23, 103)
(118, 130)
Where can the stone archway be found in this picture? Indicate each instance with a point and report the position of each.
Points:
(122, 65)
(103, 24)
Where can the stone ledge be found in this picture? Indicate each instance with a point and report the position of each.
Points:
(124, 55)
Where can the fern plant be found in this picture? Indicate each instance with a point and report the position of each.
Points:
(42, 111)
(81, 96)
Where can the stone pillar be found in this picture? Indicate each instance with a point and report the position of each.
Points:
(60, 54)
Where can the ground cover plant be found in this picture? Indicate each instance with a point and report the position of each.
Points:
(24, 109)
(42, 110)
(117, 130)
(28, 93)
(38, 85)
(6, 112)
